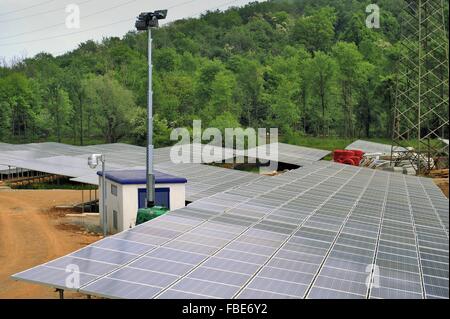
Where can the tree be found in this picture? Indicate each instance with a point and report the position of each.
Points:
(316, 32)
(303, 62)
(111, 105)
(352, 72)
(166, 60)
(19, 102)
(222, 95)
(5, 119)
(60, 112)
(215, 91)
(138, 124)
(249, 86)
(224, 121)
(321, 71)
(280, 94)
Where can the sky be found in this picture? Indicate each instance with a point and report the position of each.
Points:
(28, 27)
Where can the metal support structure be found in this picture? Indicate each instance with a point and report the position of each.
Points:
(61, 293)
(145, 22)
(422, 96)
(93, 162)
(104, 216)
(150, 176)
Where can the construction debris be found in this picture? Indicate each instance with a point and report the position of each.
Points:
(404, 162)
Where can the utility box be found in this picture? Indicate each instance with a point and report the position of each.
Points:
(126, 191)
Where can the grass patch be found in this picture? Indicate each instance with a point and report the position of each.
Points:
(333, 143)
(65, 140)
(330, 143)
(74, 186)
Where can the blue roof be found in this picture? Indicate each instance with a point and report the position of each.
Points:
(126, 177)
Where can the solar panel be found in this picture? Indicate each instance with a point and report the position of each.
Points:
(71, 161)
(345, 226)
(372, 147)
(286, 153)
(118, 155)
(205, 180)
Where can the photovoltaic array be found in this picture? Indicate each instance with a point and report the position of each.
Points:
(325, 230)
(372, 147)
(203, 180)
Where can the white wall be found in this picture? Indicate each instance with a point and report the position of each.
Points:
(126, 202)
(177, 195)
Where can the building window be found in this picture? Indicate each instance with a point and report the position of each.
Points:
(115, 217)
(162, 197)
(114, 190)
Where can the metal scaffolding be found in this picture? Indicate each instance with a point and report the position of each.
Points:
(422, 101)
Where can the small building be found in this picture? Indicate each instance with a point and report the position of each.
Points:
(126, 192)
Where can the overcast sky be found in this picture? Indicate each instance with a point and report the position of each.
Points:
(28, 27)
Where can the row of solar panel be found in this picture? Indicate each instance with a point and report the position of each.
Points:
(343, 224)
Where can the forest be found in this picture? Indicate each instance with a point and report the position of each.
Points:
(307, 67)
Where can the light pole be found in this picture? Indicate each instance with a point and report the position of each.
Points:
(93, 162)
(145, 22)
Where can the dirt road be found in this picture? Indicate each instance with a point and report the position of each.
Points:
(30, 235)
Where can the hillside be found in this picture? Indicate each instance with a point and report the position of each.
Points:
(308, 67)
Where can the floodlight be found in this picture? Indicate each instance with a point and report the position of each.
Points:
(147, 20)
(161, 14)
(141, 25)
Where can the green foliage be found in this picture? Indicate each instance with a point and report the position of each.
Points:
(321, 73)
(19, 106)
(316, 32)
(352, 73)
(309, 67)
(111, 106)
(223, 121)
(138, 125)
(60, 112)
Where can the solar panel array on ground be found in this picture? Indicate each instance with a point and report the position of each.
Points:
(372, 147)
(286, 153)
(325, 230)
(71, 160)
(203, 180)
(67, 160)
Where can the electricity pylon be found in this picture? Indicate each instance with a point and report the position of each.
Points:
(422, 100)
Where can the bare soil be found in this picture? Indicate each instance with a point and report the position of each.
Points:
(442, 183)
(33, 232)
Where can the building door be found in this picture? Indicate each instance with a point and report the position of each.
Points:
(162, 197)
